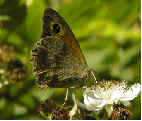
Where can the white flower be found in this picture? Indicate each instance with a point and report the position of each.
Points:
(109, 92)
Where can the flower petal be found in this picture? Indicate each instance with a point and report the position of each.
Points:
(131, 93)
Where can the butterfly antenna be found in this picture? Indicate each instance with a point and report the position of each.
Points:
(66, 97)
(94, 76)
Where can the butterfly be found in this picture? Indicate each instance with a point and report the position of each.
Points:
(57, 58)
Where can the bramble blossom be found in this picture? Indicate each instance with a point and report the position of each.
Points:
(109, 92)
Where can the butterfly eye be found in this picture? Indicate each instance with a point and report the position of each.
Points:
(56, 28)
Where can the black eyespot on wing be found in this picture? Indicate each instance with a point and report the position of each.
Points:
(56, 28)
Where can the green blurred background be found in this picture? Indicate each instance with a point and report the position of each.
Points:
(108, 32)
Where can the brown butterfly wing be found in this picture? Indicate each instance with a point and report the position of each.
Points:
(52, 17)
(57, 58)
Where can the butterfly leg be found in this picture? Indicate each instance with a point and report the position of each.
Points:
(66, 97)
(73, 111)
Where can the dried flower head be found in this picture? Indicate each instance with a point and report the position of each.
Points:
(15, 71)
(47, 107)
(120, 112)
(60, 113)
(7, 53)
(109, 92)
